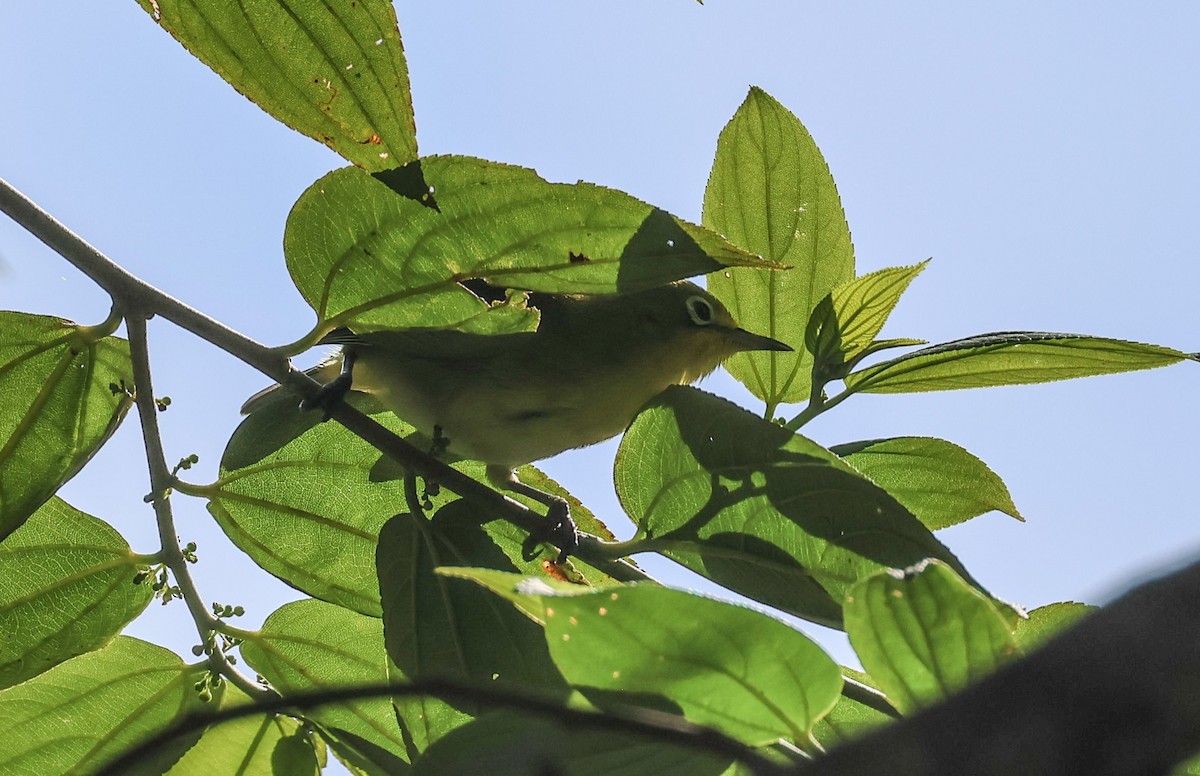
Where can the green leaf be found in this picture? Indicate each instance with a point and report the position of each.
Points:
(938, 481)
(90, 709)
(925, 633)
(847, 321)
(66, 587)
(62, 395)
(848, 720)
(772, 681)
(312, 645)
(267, 744)
(387, 251)
(306, 501)
(1009, 358)
(1046, 622)
(332, 71)
(515, 745)
(771, 192)
(435, 627)
(759, 510)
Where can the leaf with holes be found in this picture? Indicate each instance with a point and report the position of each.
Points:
(387, 251)
(332, 71)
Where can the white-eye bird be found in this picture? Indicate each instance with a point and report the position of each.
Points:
(511, 399)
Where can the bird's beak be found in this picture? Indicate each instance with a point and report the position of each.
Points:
(745, 340)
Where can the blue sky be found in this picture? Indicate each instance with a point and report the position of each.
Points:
(1042, 154)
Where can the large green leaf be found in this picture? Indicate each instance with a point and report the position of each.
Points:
(745, 673)
(388, 250)
(333, 71)
(306, 501)
(938, 481)
(771, 192)
(66, 587)
(264, 745)
(759, 510)
(86, 711)
(515, 745)
(1009, 358)
(440, 628)
(846, 322)
(925, 633)
(312, 645)
(62, 394)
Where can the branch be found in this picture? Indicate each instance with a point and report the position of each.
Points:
(649, 723)
(1116, 695)
(160, 484)
(134, 294)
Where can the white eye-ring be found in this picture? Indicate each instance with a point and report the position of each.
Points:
(699, 310)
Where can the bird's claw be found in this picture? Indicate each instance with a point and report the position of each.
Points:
(328, 396)
(559, 530)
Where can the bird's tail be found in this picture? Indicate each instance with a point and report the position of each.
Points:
(322, 373)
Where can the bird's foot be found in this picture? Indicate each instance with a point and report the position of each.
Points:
(559, 530)
(328, 396)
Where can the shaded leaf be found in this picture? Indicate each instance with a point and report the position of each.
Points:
(312, 645)
(86, 711)
(332, 71)
(1045, 622)
(846, 322)
(306, 500)
(66, 587)
(268, 744)
(771, 192)
(925, 633)
(387, 251)
(1009, 358)
(514, 745)
(771, 680)
(62, 395)
(436, 627)
(938, 481)
(757, 509)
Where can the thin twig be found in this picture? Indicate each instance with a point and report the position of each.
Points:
(160, 484)
(649, 723)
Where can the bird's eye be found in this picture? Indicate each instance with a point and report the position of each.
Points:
(699, 310)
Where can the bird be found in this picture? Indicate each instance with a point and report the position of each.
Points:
(511, 399)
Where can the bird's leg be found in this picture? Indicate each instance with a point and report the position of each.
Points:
(335, 390)
(560, 531)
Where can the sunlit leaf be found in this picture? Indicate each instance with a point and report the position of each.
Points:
(771, 192)
(436, 627)
(925, 633)
(846, 323)
(514, 745)
(1045, 622)
(389, 250)
(771, 680)
(938, 481)
(66, 587)
(332, 71)
(62, 394)
(1009, 358)
(312, 645)
(759, 510)
(87, 711)
(264, 745)
(306, 501)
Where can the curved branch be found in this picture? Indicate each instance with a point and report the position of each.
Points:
(652, 724)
